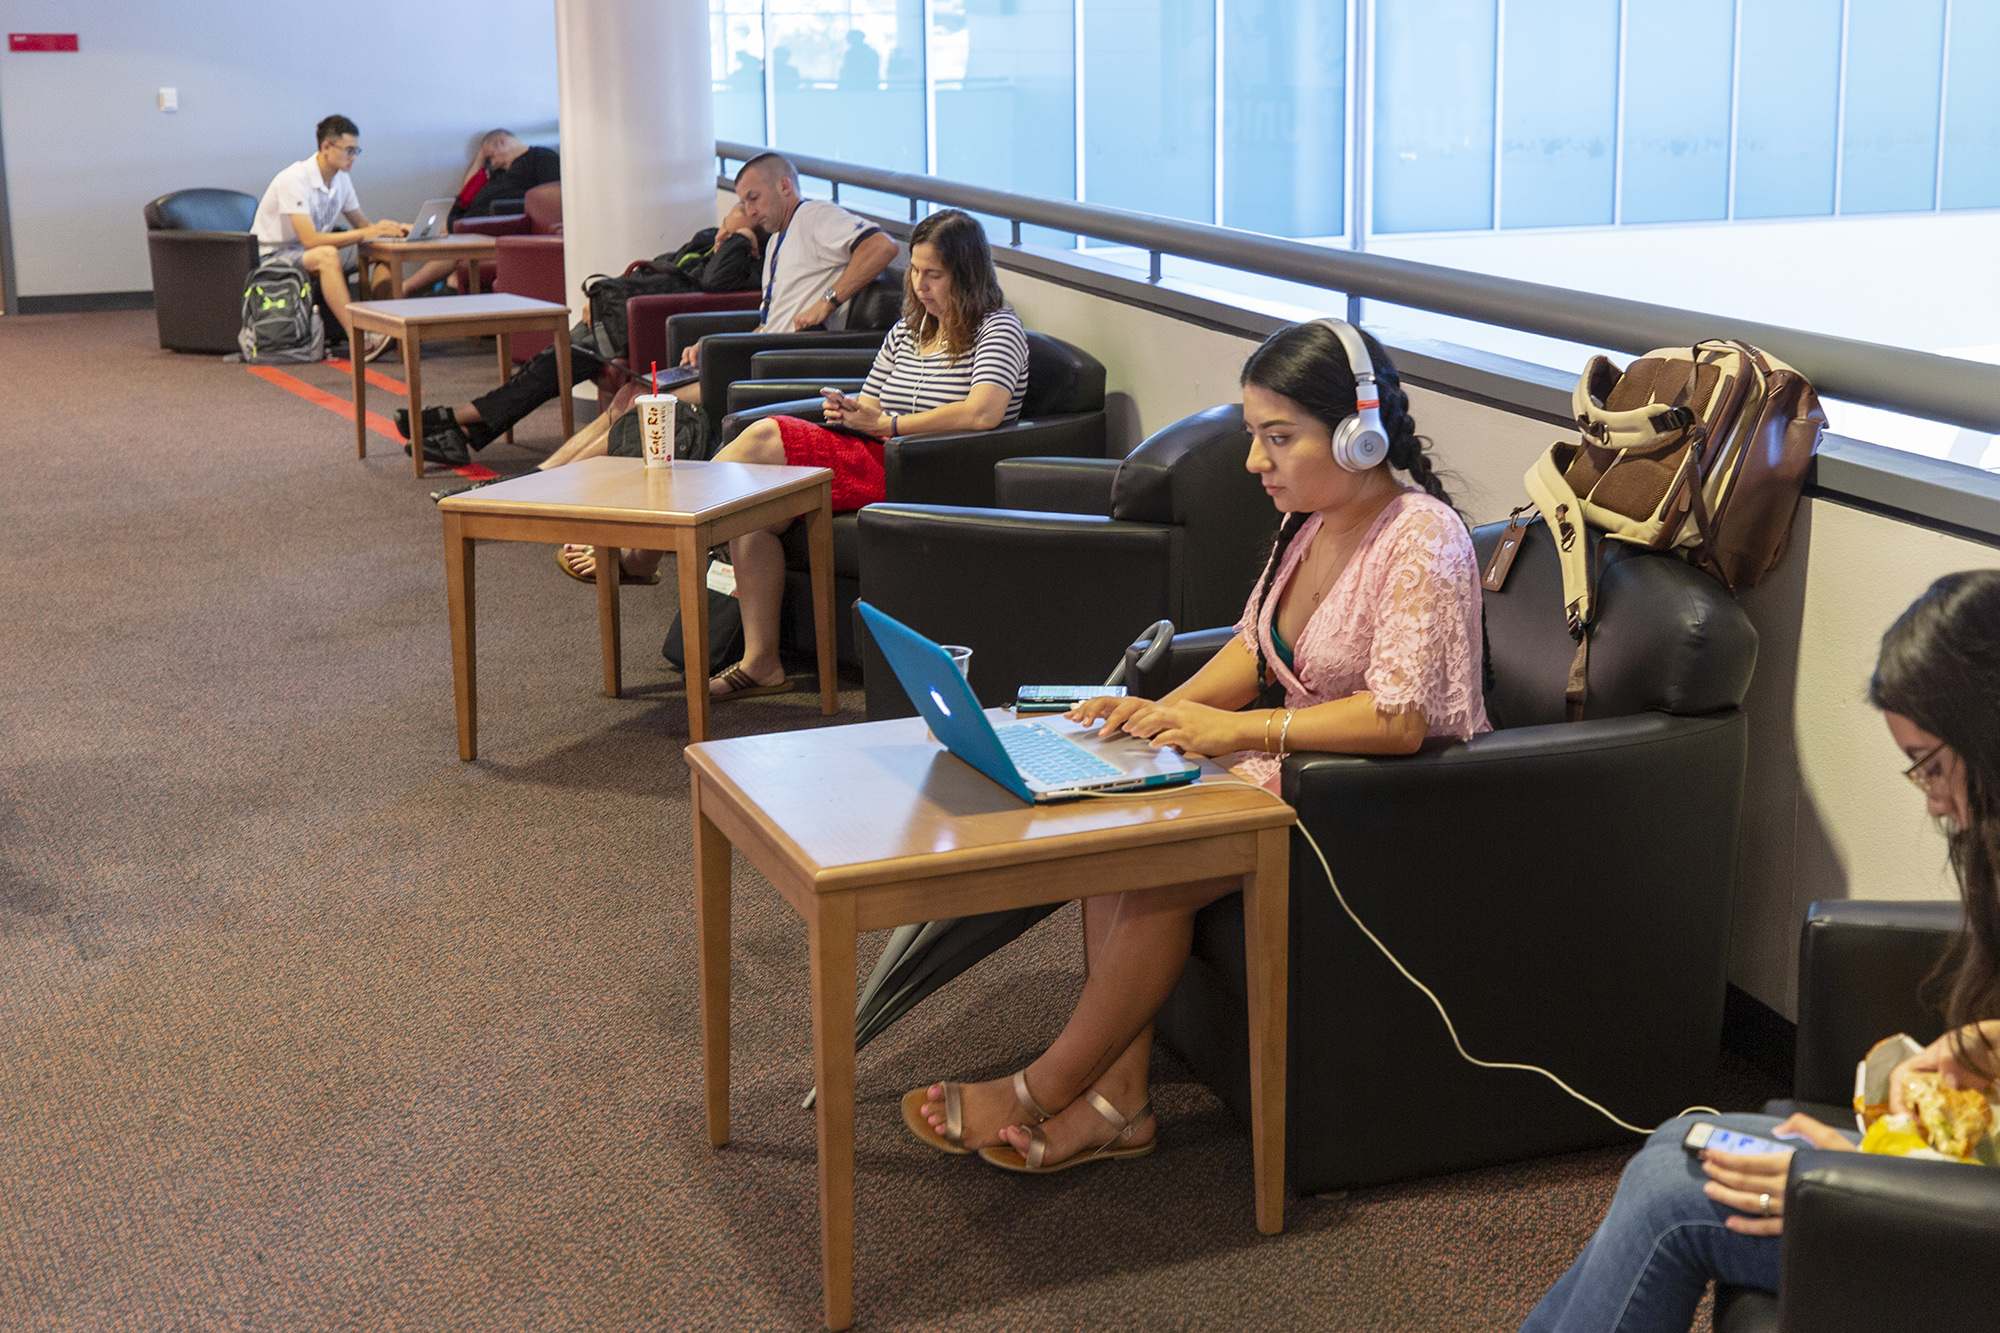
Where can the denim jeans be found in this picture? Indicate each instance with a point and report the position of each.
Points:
(1659, 1247)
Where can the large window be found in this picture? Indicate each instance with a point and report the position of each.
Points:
(1484, 115)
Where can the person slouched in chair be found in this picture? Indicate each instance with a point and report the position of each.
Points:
(1679, 1221)
(1367, 612)
(956, 361)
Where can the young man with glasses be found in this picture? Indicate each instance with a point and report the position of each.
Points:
(299, 219)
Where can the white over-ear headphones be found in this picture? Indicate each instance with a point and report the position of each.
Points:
(1359, 442)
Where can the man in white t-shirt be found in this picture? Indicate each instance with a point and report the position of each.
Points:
(818, 257)
(300, 217)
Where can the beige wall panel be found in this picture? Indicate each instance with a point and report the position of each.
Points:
(1827, 814)
(1157, 369)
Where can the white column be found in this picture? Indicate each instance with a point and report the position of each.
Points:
(638, 131)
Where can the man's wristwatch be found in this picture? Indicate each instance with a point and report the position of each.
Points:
(831, 296)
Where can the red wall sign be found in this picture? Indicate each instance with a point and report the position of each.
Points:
(41, 41)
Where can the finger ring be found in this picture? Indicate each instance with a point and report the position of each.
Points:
(1764, 1205)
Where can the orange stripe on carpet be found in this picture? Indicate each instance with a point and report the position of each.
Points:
(381, 425)
(375, 377)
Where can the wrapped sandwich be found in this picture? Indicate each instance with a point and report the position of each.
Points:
(1944, 1123)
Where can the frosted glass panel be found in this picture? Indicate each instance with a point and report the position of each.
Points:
(1895, 61)
(1284, 120)
(848, 80)
(1787, 108)
(1149, 106)
(1677, 76)
(1559, 117)
(1972, 109)
(1006, 99)
(736, 59)
(1434, 115)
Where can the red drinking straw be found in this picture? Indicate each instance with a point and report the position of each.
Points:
(656, 379)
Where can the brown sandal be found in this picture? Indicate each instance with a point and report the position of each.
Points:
(742, 685)
(646, 580)
(1007, 1159)
(952, 1140)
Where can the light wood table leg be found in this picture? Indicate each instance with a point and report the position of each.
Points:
(360, 393)
(413, 346)
(607, 616)
(831, 930)
(819, 547)
(395, 278)
(1266, 950)
(458, 579)
(691, 559)
(563, 382)
(711, 924)
(506, 344)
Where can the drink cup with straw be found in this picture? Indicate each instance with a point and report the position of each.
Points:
(656, 422)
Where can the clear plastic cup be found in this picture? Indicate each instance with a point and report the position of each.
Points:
(656, 427)
(961, 657)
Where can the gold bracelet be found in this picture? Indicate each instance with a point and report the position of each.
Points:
(1269, 718)
(1284, 731)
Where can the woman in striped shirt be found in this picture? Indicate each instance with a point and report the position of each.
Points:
(956, 361)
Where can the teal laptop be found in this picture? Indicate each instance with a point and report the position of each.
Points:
(1037, 761)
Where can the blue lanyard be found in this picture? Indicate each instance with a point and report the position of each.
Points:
(777, 242)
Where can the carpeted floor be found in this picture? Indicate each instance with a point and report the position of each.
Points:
(306, 1024)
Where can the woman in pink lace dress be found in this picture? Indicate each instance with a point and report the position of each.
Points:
(1368, 614)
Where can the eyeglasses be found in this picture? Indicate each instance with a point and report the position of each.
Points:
(352, 150)
(1915, 772)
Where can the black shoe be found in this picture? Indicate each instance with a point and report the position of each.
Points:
(477, 433)
(460, 487)
(446, 446)
(435, 419)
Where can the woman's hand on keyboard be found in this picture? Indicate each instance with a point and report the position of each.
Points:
(1114, 710)
(1190, 728)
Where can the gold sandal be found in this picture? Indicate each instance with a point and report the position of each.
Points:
(952, 1140)
(1007, 1159)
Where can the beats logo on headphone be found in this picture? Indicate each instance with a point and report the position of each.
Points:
(1359, 442)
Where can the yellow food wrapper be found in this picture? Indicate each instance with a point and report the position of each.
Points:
(1899, 1135)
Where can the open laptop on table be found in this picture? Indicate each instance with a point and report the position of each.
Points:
(1034, 760)
(430, 223)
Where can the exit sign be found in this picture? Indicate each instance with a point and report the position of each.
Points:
(41, 41)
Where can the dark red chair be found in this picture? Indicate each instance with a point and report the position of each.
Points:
(542, 217)
(529, 266)
(646, 324)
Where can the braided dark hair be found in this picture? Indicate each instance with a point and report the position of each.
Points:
(1308, 364)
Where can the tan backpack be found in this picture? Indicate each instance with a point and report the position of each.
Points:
(1699, 449)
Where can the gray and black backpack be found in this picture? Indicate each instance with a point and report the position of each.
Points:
(280, 322)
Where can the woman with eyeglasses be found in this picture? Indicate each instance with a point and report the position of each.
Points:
(1678, 1221)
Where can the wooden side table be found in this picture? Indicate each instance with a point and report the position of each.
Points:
(874, 825)
(469, 250)
(620, 502)
(411, 321)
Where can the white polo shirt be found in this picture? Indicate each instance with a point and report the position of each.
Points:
(300, 189)
(803, 260)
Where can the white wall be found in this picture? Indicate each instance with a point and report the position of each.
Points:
(86, 147)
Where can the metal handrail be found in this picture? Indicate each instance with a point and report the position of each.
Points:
(1919, 384)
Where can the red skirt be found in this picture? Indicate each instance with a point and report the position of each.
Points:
(856, 463)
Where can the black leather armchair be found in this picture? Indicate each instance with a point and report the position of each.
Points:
(1081, 554)
(729, 340)
(202, 252)
(786, 376)
(1564, 888)
(1062, 412)
(1865, 1236)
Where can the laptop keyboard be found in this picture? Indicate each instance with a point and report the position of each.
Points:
(1051, 759)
